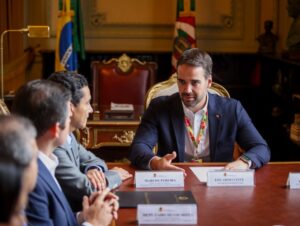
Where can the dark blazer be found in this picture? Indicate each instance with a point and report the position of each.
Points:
(228, 122)
(74, 160)
(47, 205)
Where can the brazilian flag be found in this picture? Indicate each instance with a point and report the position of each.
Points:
(69, 36)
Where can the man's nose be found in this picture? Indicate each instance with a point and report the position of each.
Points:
(90, 108)
(187, 88)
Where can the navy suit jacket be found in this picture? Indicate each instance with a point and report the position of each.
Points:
(47, 205)
(228, 122)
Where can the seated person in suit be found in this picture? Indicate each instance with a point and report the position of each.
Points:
(18, 167)
(47, 105)
(79, 171)
(194, 125)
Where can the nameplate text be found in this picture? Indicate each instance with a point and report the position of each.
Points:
(222, 178)
(167, 214)
(148, 179)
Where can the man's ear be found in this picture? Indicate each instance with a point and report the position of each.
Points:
(54, 130)
(209, 81)
(72, 108)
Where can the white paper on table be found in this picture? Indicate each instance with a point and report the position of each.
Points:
(121, 107)
(201, 171)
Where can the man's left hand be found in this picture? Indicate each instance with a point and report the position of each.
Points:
(97, 178)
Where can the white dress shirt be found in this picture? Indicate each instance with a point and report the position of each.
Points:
(51, 162)
(191, 152)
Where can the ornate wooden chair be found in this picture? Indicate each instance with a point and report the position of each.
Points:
(122, 80)
(169, 87)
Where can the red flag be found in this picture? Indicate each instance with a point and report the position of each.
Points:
(185, 29)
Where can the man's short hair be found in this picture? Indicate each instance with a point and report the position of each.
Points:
(15, 136)
(10, 189)
(44, 103)
(197, 58)
(16, 154)
(72, 81)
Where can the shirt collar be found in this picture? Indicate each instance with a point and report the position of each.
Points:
(189, 113)
(51, 161)
(69, 139)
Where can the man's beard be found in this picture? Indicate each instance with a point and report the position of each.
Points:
(192, 102)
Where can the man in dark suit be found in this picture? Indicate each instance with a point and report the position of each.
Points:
(194, 125)
(79, 171)
(47, 105)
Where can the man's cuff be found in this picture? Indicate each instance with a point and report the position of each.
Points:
(149, 164)
(113, 179)
(89, 167)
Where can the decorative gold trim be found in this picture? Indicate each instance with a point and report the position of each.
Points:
(126, 137)
(124, 62)
(158, 87)
(83, 136)
(85, 139)
(218, 89)
(109, 144)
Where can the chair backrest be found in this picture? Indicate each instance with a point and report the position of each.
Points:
(169, 87)
(122, 80)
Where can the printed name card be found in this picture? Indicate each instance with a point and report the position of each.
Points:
(294, 180)
(167, 214)
(223, 178)
(159, 179)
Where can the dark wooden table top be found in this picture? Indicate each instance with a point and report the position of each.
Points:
(269, 202)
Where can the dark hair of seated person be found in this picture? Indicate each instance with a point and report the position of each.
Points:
(72, 81)
(10, 189)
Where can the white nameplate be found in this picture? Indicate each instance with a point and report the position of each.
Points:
(159, 179)
(167, 214)
(230, 178)
(294, 180)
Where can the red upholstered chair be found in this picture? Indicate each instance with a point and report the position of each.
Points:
(122, 80)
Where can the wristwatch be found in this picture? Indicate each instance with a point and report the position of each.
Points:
(246, 160)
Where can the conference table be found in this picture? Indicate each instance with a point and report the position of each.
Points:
(269, 202)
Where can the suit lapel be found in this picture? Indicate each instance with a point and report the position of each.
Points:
(178, 125)
(214, 119)
(74, 146)
(45, 175)
(72, 150)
